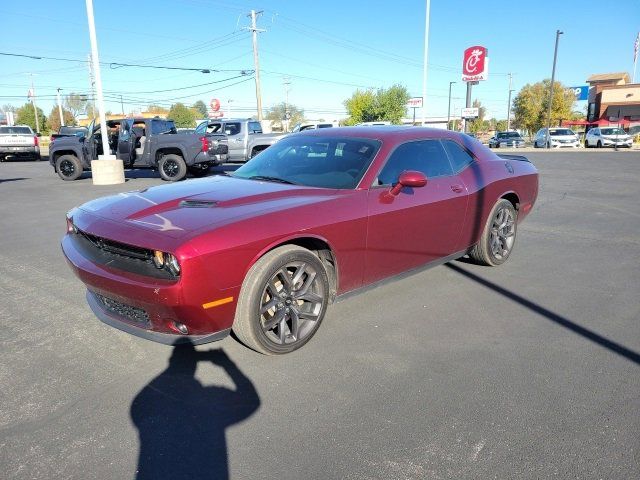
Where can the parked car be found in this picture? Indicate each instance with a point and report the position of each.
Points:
(607, 137)
(506, 139)
(558, 138)
(245, 136)
(69, 131)
(140, 142)
(19, 141)
(264, 250)
(378, 123)
(300, 127)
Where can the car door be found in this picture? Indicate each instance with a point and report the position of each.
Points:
(237, 141)
(126, 141)
(419, 225)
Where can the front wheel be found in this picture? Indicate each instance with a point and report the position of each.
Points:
(282, 301)
(68, 167)
(172, 168)
(599, 144)
(498, 236)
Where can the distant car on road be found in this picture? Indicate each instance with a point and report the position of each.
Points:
(558, 138)
(300, 127)
(506, 139)
(19, 141)
(267, 248)
(607, 137)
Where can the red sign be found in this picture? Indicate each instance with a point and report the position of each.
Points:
(475, 64)
(216, 114)
(215, 104)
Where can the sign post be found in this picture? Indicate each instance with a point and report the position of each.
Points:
(475, 68)
(415, 102)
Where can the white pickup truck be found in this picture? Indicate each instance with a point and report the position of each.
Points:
(18, 141)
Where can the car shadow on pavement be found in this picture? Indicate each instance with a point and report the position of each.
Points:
(181, 422)
(17, 179)
(552, 316)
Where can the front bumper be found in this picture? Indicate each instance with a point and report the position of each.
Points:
(620, 143)
(150, 307)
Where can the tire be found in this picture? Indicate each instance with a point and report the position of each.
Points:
(599, 144)
(37, 158)
(498, 236)
(68, 167)
(199, 169)
(269, 317)
(172, 168)
(535, 144)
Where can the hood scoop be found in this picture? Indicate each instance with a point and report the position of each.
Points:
(198, 203)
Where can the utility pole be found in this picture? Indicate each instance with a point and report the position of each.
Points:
(33, 102)
(254, 34)
(122, 105)
(553, 76)
(286, 82)
(449, 108)
(509, 104)
(92, 85)
(60, 108)
(424, 66)
(229, 108)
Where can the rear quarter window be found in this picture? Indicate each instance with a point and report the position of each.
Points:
(458, 155)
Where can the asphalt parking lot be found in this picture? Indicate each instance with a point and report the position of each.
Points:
(528, 370)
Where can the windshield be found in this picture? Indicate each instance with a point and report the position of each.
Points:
(612, 131)
(16, 130)
(326, 162)
(508, 135)
(560, 131)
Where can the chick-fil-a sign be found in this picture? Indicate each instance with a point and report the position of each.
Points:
(475, 64)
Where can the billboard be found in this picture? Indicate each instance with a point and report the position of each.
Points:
(581, 92)
(471, 112)
(415, 102)
(475, 64)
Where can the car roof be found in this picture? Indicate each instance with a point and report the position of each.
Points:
(390, 133)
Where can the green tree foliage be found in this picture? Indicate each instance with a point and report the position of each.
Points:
(182, 115)
(277, 114)
(382, 105)
(201, 108)
(158, 110)
(25, 116)
(76, 104)
(501, 125)
(54, 118)
(478, 124)
(531, 103)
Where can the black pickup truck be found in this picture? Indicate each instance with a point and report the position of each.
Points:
(140, 142)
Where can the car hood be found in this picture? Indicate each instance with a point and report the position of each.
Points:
(185, 208)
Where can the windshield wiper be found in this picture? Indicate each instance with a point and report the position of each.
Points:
(271, 179)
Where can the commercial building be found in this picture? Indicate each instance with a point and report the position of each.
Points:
(614, 101)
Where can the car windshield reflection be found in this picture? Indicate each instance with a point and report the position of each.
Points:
(314, 161)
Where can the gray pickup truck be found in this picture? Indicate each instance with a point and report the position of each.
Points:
(141, 142)
(245, 136)
(18, 141)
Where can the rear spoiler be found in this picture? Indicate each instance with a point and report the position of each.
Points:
(508, 156)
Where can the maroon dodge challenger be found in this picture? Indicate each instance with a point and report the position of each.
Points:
(264, 250)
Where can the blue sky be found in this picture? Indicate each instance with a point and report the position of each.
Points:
(326, 49)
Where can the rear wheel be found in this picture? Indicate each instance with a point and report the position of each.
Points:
(282, 301)
(599, 144)
(68, 167)
(172, 168)
(498, 236)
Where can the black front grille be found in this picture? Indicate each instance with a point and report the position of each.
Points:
(119, 255)
(134, 314)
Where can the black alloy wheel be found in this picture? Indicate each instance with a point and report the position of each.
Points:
(172, 168)
(68, 167)
(283, 301)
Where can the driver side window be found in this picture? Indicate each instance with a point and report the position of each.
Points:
(426, 156)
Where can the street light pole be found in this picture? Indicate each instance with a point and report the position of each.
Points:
(509, 104)
(449, 108)
(33, 102)
(424, 66)
(553, 76)
(60, 108)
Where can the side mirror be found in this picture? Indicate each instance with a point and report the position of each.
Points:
(409, 178)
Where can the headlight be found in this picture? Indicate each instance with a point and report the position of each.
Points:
(166, 260)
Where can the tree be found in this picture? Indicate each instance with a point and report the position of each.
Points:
(501, 125)
(25, 116)
(54, 118)
(158, 110)
(182, 115)
(531, 103)
(201, 108)
(382, 105)
(277, 114)
(478, 124)
(76, 104)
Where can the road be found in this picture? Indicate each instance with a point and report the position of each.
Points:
(528, 370)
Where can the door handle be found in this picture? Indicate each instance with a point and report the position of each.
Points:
(457, 188)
